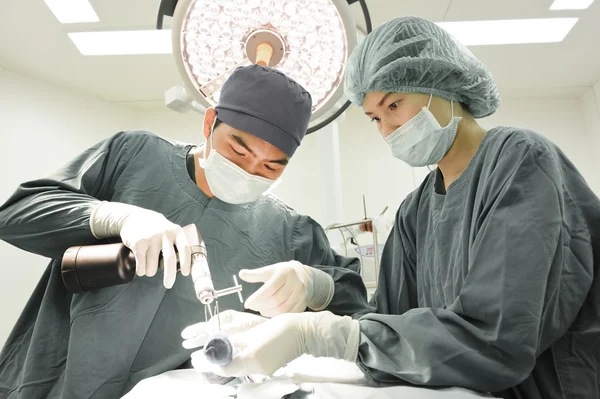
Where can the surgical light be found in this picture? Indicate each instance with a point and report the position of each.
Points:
(309, 40)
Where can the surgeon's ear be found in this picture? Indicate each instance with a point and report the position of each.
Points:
(442, 110)
(209, 119)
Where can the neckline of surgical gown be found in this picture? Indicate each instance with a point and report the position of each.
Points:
(440, 194)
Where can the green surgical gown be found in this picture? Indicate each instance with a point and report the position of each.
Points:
(493, 285)
(100, 344)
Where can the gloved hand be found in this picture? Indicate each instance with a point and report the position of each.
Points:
(290, 287)
(146, 233)
(367, 227)
(385, 222)
(198, 334)
(272, 343)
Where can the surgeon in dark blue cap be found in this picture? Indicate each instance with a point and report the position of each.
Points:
(142, 188)
(258, 124)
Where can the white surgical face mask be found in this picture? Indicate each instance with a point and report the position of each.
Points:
(230, 183)
(422, 141)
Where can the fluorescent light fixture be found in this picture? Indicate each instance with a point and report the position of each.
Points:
(515, 31)
(72, 11)
(571, 4)
(123, 42)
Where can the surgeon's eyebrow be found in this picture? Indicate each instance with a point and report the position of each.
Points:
(383, 99)
(380, 102)
(240, 141)
(282, 161)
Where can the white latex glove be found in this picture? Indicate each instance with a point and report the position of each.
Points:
(235, 322)
(290, 287)
(273, 343)
(147, 234)
(384, 223)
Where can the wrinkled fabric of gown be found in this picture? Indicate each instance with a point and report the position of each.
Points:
(493, 285)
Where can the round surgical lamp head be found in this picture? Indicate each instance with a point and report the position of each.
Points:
(309, 40)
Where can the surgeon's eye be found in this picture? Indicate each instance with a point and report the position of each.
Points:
(269, 168)
(237, 152)
(393, 105)
(376, 119)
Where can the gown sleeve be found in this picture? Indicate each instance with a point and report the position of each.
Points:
(48, 215)
(311, 247)
(507, 311)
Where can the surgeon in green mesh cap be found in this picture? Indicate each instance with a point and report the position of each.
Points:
(490, 277)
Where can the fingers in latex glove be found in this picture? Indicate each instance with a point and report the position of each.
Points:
(139, 249)
(288, 288)
(153, 255)
(367, 227)
(263, 349)
(184, 252)
(147, 234)
(170, 257)
(232, 322)
(169, 261)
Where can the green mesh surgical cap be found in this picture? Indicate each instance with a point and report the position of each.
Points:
(414, 55)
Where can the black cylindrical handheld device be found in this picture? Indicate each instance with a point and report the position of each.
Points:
(91, 267)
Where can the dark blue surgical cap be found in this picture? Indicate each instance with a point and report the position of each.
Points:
(266, 103)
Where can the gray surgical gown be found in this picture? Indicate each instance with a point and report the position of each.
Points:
(100, 344)
(494, 284)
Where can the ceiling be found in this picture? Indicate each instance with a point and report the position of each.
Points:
(34, 43)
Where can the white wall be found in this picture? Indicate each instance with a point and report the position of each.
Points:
(300, 186)
(41, 127)
(562, 121)
(590, 104)
(186, 127)
(596, 89)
